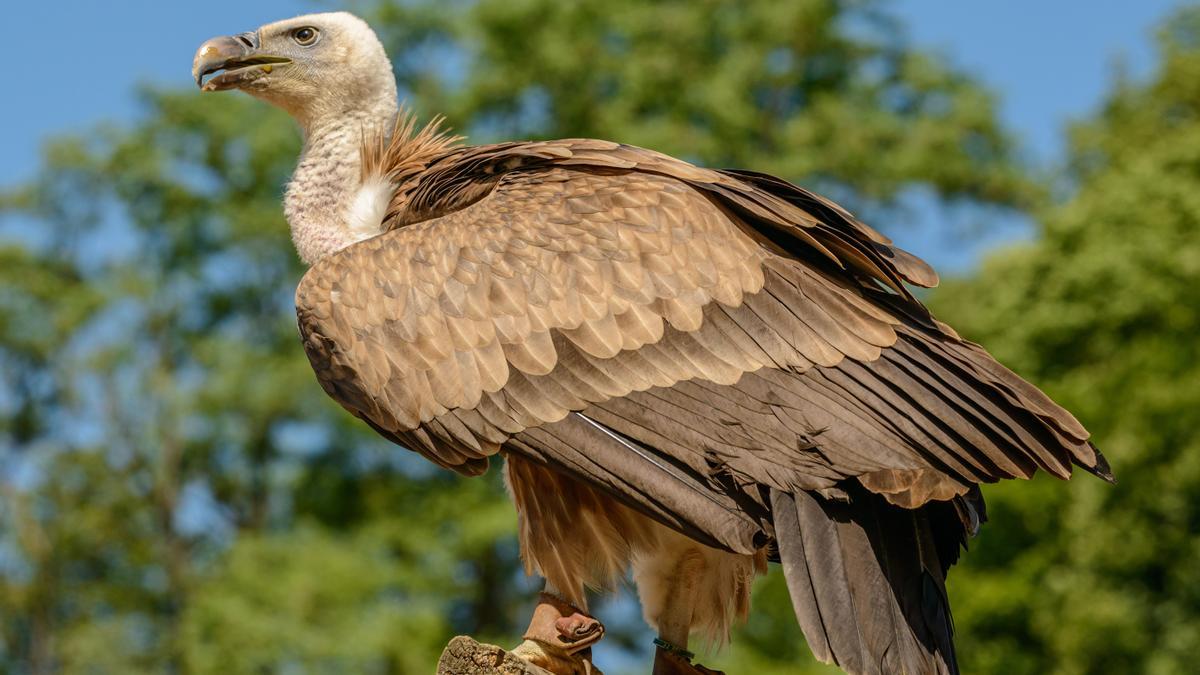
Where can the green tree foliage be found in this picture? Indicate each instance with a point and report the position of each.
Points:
(1103, 309)
(823, 90)
(177, 495)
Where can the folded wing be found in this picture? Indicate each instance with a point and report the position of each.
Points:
(597, 276)
(724, 352)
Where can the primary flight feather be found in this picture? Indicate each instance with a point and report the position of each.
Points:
(688, 372)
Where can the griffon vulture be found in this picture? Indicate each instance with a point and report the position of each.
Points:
(688, 372)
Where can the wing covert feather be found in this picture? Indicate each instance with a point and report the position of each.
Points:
(645, 291)
(433, 317)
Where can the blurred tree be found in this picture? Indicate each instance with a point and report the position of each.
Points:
(1103, 309)
(177, 494)
(827, 91)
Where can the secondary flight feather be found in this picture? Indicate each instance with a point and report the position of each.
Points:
(688, 372)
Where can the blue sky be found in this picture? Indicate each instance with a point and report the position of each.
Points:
(1049, 61)
(73, 63)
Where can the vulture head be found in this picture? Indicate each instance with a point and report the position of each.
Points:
(314, 66)
(330, 72)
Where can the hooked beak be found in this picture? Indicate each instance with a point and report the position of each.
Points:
(237, 56)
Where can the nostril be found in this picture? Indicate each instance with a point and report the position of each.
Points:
(248, 39)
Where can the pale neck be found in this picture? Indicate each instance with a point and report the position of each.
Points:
(331, 120)
(327, 178)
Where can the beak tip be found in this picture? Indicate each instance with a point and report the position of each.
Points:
(211, 56)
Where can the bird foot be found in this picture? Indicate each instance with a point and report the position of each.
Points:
(670, 663)
(560, 637)
(559, 624)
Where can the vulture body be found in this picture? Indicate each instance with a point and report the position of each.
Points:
(687, 371)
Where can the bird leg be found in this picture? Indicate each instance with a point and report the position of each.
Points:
(560, 636)
(672, 661)
(669, 588)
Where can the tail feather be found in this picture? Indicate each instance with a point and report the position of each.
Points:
(866, 582)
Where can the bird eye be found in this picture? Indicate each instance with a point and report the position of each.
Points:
(305, 36)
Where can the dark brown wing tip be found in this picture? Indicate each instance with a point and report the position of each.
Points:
(1101, 468)
(913, 269)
